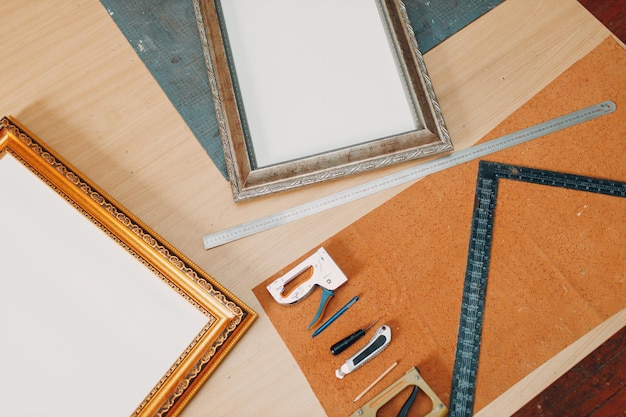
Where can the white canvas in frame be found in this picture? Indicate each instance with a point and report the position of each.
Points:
(98, 315)
(308, 91)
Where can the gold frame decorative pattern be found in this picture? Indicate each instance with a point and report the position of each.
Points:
(227, 318)
(247, 181)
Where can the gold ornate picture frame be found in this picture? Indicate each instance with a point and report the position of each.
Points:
(311, 91)
(149, 326)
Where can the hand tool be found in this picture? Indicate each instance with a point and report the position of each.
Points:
(377, 344)
(411, 377)
(475, 287)
(318, 269)
(409, 174)
(335, 316)
(376, 381)
(347, 341)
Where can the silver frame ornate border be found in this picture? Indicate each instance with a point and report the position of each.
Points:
(431, 137)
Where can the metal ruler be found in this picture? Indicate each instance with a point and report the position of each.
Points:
(410, 174)
(475, 286)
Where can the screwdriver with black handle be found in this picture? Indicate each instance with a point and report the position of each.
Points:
(347, 341)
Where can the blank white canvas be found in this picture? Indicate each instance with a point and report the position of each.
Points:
(315, 75)
(85, 328)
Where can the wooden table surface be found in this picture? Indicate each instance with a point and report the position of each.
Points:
(72, 78)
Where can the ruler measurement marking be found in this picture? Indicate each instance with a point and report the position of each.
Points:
(473, 301)
(407, 175)
(477, 269)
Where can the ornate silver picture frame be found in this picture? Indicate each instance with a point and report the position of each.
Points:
(100, 316)
(311, 91)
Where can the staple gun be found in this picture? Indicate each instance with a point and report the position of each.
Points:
(317, 269)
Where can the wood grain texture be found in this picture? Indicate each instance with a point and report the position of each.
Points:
(71, 76)
(612, 14)
(596, 386)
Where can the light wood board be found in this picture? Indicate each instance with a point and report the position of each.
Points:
(69, 74)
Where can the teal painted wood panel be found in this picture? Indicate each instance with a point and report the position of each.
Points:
(165, 36)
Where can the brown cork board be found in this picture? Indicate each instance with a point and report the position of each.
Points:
(557, 267)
